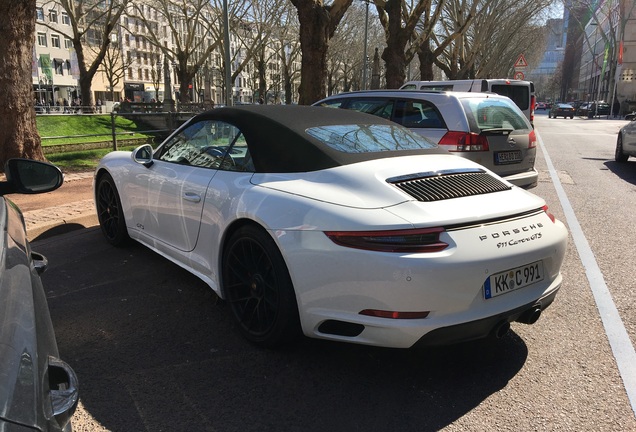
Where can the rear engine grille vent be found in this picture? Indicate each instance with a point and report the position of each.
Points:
(437, 186)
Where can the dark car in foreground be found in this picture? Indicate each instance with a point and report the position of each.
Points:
(562, 110)
(38, 391)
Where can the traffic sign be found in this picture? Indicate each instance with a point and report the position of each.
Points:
(521, 62)
(519, 76)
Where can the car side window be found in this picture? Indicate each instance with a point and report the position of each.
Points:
(417, 114)
(209, 144)
(378, 107)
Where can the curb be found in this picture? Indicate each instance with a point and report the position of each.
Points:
(56, 220)
(51, 221)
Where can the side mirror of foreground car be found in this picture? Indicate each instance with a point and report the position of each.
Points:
(143, 155)
(26, 176)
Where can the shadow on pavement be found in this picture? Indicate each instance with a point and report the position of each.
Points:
(59, 230)
(154, 350)
(626, 171)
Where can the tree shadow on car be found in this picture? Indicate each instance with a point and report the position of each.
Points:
(155, 350)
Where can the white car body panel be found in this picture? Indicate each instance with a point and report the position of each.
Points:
(387, 280)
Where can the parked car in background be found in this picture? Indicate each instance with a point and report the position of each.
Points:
(485, 128)
(589, 109)
(626, 142)
(541, 106)
(337, 225)
(599, 108)
(520, 92)
(561, 110)
(38, 391)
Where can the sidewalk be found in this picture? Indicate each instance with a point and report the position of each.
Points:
(62, 218)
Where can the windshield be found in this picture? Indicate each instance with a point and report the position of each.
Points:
(490, 114)
(369, 138)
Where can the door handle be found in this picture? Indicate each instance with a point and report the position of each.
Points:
(192, 197)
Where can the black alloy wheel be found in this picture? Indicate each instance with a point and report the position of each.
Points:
(619, 156)
(109, 212)
(258, 288)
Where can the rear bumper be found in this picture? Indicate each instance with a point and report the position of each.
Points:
(482, 328)
(525, 180)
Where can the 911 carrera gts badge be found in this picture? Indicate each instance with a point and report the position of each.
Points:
(501, 235)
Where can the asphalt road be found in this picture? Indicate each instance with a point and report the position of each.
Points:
(155, 351)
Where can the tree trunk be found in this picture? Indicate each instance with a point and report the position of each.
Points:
(317, 26)
(18, 130)
(427, 59)
(393, 55)
(314, 42)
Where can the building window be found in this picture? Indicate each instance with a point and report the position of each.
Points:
(39, 14)
(146, 75)
(42, 39)
(140, 74)
(130, 73)
(59, 66)
(66, 20)
(68, 44)
(55, 41)
(53, 15)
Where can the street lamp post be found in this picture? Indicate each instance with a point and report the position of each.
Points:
(168, 102)
(207, 99)
(226, 59)
(365, 58)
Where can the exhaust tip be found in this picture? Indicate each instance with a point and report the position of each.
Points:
(530, 316)
(500, 330)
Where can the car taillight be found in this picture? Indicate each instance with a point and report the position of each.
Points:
(406, 241)
(532, 140)
(550, 215)
(464, 142)
(533, 101)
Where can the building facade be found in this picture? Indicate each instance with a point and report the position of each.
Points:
(134, 68)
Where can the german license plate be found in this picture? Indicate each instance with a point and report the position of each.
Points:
(513, 279)
(508, 157)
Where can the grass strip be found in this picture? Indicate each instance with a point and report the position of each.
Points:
(80, 161)
(84, 128)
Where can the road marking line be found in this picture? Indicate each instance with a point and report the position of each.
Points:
(614, 328)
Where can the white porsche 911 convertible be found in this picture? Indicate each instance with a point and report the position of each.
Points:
(337, 225)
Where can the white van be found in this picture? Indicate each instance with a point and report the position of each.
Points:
(521, 92)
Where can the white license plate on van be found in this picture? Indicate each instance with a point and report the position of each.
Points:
(513, 279)
(508, 157)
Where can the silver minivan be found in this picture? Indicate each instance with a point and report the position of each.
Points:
(486, 128)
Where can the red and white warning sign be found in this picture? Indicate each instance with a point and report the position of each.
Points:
(521, 62)
(519, 76)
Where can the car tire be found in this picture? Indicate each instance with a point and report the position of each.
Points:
(619, 156)
(109, 211)
(571, 117)
(257, 285)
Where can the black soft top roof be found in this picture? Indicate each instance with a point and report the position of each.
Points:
(278, 142)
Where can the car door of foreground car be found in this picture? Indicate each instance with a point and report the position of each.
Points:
(178, 181)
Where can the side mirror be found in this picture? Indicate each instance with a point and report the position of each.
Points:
(143, 155)
(28, 176)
